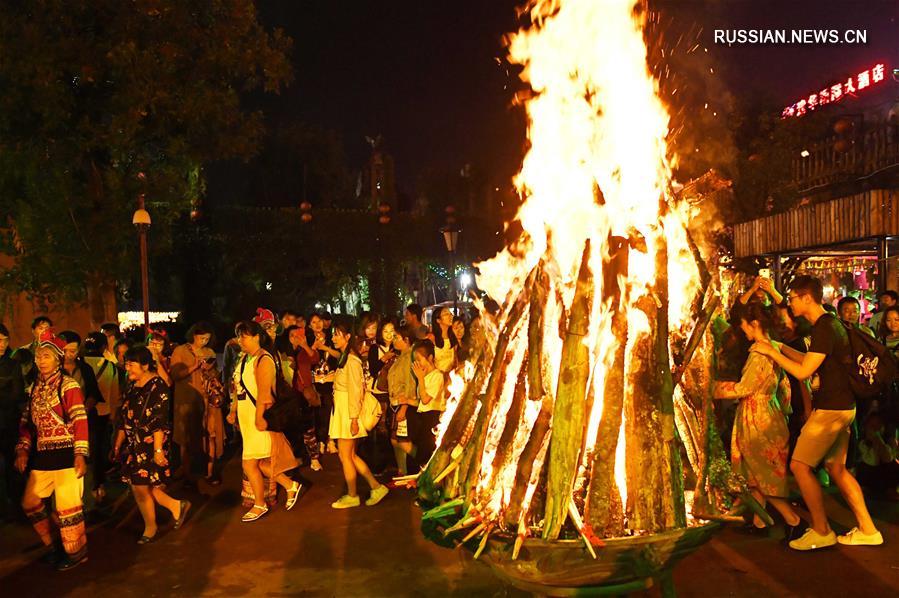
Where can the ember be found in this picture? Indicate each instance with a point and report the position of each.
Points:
(567, 420)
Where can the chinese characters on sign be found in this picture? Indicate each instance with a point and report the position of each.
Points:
(837, 91)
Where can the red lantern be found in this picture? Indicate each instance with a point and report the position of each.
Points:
(450, 209)
(841, 145)
(384, 219)
(305, 206)
(195, 215)
(306, 217)
(843, 126)
(384, 208)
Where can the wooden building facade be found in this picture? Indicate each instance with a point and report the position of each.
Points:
(863, 224)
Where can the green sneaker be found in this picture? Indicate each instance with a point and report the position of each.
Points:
(346, 502)
(812, 540)
(376, 495)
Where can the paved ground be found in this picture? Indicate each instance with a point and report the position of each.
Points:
(379, 551)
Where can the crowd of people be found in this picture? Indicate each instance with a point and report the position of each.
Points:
(813, 386)
(109, 410)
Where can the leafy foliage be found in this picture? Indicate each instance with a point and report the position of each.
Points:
(95, 93)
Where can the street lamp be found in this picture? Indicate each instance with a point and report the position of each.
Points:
(141, 220)
(451, 238)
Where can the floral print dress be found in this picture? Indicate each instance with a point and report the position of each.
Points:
(760, 442)
(145, 410)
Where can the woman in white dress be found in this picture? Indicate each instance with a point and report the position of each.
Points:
(349, 391)
(445, 341)
(264, 453)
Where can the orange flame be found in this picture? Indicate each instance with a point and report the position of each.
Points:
(596, 122)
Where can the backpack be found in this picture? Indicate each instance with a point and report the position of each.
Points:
(873, 371)
(284, 415)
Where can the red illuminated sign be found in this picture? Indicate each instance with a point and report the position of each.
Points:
(837, 91)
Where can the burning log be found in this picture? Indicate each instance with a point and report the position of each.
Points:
(568, 431)
(702, 324)
(513, 420)
(453, 435)
(674, 508)
(470, 466)
(605, 512)
(536, 388)
(528, 459)
(653, 464)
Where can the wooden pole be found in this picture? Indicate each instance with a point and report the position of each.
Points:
(605, 512)
(570, 412)
(655, 499)
(510, 427)
(528, 467)
(469, 469)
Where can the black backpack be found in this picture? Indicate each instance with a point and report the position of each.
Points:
(873, 371)
(285, 414)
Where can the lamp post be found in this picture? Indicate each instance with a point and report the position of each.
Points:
(383, 221)
(141, 220)
(451, 238)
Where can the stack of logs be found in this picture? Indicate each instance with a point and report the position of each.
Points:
(547, 496)
(641, 394)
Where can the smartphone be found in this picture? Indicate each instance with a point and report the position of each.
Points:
(765, 272)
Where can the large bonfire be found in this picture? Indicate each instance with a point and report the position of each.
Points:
(565, 422)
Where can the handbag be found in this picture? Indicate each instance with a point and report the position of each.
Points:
(371, 412)
(284, 415)
(213, 389)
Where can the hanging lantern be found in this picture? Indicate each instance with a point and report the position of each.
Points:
(384, 219)
(842, 126)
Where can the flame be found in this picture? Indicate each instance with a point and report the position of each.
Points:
(597, 166)
(458, 380)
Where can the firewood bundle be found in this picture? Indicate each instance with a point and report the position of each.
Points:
(577, 414)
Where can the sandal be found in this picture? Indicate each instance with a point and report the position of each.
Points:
(254, 513)
(293, 494)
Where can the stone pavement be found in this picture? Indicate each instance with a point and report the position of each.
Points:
(379, 551)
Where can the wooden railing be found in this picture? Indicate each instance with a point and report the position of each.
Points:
(874, 213)
(833, 161)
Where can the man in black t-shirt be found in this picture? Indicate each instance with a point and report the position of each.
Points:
(825, 436)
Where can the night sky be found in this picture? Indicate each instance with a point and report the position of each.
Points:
(425, 74)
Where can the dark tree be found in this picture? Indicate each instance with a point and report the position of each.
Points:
(95, 93)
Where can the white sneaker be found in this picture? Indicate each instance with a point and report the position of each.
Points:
(855, 537)
(812, 540)
(376, 495)
(346, 502)
(315, 465)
